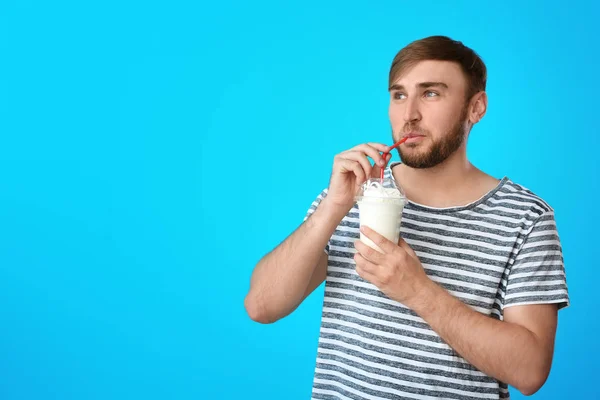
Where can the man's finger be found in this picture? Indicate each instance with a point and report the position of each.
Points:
(365, 269)
(376, 171)
(402, 244)
(379, 146)
(381, 241)
(354, 167)
(361, 159)
(368, 253)
(372, 150)
(365, 264)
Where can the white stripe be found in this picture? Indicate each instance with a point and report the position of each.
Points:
(380, 344)
(564, 299)
(540, 243)
(536, 264)
(465, 285)
(461, 297)
(431, 267)
(497, 313)
(482, 224)
(379, 310)
(479, 243)
(398, 370)
(482, 276)
(368, 285)
(341, 386)
(342, 259)
(475, 264)
(545, 253)
(517, 203)
(454, 219)
(344, 238)
(547, 293)
(364, 284)
(531, 275)
(395, 381)
(346, 229)
(394, 335)
(542, 233)
(370, 386)
(362, 295)
(547, 222)
(350, 218)
(517, 219)
(349, 271)
(396, 359)
(526, 196)
(558, 281)
(456, 250)
(513, 187)
(328, 392)
(363, 384)
(339, 249)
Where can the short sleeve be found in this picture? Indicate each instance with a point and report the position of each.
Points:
(538, 273)
(313, 208)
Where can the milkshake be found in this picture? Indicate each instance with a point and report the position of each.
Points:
(380, 206)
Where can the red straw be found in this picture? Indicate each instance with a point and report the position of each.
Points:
(398, 143)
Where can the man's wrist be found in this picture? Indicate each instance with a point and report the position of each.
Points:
(333, 212)
(426, 299)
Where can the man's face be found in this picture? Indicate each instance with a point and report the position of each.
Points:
(428, 104)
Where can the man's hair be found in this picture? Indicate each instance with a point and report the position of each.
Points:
(442, 48)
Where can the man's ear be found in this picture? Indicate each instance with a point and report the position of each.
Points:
(477, 107)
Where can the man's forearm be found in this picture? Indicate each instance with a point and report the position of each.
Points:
(508, 352)
(280, 279)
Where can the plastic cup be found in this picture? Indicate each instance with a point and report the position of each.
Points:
(380, 207)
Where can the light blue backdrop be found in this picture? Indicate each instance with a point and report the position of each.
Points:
(152, 152)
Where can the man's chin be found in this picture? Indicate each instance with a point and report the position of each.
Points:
(415, 159)
(412, 151)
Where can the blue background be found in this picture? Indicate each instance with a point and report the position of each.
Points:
(151, 153)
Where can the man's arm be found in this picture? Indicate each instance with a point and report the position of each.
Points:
(517, 351)
(285, 276)
(289, 273)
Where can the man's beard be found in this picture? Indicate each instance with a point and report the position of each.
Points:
(440, 150)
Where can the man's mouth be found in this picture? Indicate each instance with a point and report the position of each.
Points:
(413, 137)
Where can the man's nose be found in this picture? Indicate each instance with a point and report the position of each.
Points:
(411, 112)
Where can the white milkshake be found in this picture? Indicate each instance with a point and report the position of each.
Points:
(380, 206)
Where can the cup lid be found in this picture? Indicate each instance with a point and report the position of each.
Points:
(380, 188)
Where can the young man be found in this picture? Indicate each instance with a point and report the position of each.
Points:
(466, 302)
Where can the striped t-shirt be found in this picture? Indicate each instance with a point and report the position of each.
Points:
(500, 251)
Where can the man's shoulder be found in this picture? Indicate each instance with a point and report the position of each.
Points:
(522, 197)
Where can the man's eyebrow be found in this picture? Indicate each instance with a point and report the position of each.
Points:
(422, 85)
(432, 84)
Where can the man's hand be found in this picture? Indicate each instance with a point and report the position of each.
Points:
(351, 169)
(397, 271)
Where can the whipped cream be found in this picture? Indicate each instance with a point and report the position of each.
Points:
(376, 189)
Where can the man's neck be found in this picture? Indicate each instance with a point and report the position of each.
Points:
(454, 182)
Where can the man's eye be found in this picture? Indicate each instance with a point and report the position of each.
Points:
(399, 96)
(429, 93)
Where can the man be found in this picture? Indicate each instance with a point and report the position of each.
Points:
(466, 302)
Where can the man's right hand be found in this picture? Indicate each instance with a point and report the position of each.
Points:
(289, 273)
(351, 169)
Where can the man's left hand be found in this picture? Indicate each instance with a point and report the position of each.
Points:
(397, 271)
